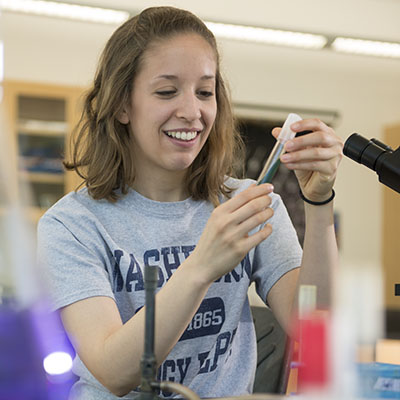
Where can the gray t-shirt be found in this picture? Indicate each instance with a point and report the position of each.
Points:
(97, 248)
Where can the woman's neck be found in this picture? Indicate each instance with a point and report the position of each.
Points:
(168, 188)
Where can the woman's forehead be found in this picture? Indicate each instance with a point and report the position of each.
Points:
(178, 55)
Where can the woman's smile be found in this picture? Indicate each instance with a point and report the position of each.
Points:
(183, 136)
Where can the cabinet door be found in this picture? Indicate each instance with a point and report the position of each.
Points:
(39, 119)
(391, 231)
(41, 133)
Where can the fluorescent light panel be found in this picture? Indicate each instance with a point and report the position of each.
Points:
(268, 36)
(221, 30)
(65, 10)
(366, 47)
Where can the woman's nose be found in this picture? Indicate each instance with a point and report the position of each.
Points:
(189, 108)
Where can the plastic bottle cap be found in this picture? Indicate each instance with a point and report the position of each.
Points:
(286, 133)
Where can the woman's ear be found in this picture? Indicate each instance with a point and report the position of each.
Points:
(123, 117)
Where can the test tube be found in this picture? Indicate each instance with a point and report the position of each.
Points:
(273, 161)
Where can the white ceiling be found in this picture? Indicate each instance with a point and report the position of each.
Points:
(379, 19)
(373, 19)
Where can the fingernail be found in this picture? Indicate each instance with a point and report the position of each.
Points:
(295, 126)
(289, 145)
(285, 157)
(270, 187)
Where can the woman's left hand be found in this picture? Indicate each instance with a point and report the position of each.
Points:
(314, 157)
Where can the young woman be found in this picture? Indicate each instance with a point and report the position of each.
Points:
(156, 147)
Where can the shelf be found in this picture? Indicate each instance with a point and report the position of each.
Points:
(42, 128)
(41, 165)
(41, 154)
(42, 177)
(42, 194)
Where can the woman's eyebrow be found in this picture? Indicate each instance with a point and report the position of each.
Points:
(174, 77)
(207, 77)
(170, 77)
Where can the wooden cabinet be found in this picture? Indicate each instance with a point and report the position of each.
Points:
(39, 119)
(391, 230)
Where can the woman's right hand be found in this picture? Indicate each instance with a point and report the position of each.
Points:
(225, 240)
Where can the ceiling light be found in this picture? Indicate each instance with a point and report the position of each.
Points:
(366, 47)
(65, 10)
(268, 36)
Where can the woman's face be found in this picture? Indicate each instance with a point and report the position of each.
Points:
(173, 105)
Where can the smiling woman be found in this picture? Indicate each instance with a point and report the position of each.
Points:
(183, 107)
(157, 68)
(156, 146)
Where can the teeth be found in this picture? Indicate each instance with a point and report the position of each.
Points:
(186, 136)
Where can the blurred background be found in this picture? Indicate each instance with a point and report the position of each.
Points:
(49, 61)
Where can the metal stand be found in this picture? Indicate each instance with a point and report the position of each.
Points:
(149, 385)
(149, 363)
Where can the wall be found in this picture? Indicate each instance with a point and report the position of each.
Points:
(364, 91)
(366, 101)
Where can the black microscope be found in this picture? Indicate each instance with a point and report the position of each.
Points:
(377, 156)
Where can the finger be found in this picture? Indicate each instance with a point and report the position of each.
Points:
(254, 221)
(314, 139)
(323, 167)
(251, 209)
(244, 197)
(275, 132)
(257, 237)
(311, 124)
(310, 154)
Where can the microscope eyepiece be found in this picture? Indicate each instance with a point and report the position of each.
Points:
(377, 156)
(354, 146)
(363, 151)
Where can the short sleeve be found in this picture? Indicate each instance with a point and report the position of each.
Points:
(74, 261)
(279, 253)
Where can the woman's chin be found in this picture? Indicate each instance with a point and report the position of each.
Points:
(181, 164)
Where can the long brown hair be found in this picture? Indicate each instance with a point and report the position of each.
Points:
(101, 145)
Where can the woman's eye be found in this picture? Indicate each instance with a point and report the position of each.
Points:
(166, 93)
(206, 93)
